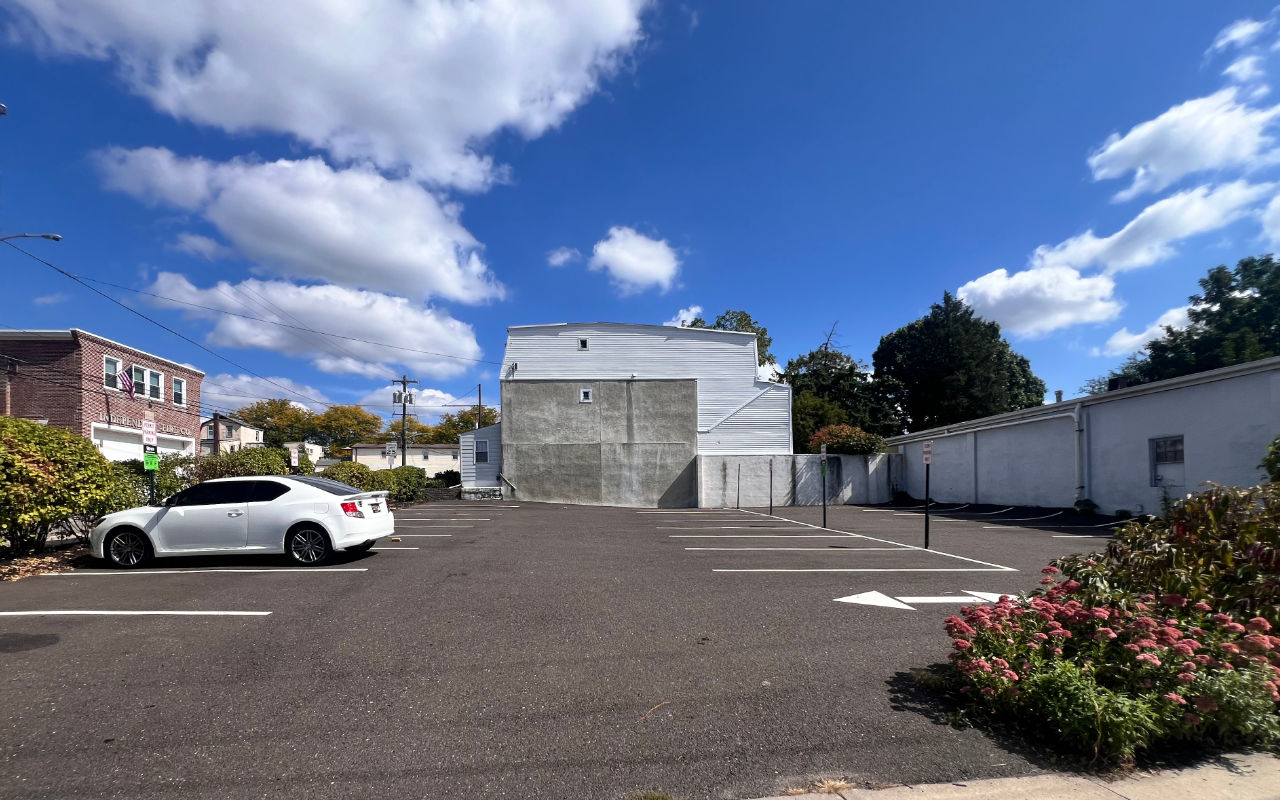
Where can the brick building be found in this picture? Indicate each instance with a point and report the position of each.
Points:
(80, 381)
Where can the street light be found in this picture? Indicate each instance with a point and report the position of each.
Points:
(53, 237)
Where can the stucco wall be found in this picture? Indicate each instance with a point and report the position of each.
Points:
(633, 445)
(797, 480)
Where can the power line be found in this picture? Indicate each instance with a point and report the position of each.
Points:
(286, 325)
(158, 324)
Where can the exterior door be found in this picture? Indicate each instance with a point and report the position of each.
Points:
(269, 515)
(1168, 468)
(207, 516)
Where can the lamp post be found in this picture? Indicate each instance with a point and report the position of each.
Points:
(53, 237)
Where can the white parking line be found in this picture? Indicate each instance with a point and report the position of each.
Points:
(933, 509)
(885, 569)
(380, 549)
(725, 527)
(986, 513)
(422, 535)
(798, 549)
(707, 512)
(443, 519)
(1033, 519)
(439, 526)
(1078, 536)
(134, 613)
(757, 536)
(287, 571)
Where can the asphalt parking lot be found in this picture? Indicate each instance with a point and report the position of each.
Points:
(517, 650)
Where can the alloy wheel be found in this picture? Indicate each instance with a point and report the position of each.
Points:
(128, 549)
(308, 546)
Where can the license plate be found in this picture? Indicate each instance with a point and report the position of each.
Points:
(376, 507)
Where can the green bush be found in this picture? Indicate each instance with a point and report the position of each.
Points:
(846, 440)
(1271, 464)
(175, 473)
(409, 483)
(382, 480)
(305, 467)
(350, 473)
(448, 477)
(1167, 636)
(47, 475)
(239, 464)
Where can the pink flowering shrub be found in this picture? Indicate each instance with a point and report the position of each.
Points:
(1168, 636)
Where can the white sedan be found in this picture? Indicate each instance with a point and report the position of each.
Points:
(306, 518)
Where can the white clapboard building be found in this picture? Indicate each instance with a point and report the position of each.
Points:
(617, 414)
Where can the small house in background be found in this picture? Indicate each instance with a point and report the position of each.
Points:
(233, 435)
(481, 451)
(433, 458)
(314, 451)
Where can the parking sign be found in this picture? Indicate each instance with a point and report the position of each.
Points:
(149, 431)
(928, 452)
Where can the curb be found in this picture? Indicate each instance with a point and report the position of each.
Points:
(1254, 776)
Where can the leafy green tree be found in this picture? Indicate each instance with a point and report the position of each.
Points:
(1235, 318)
(280, 420)
(846, 440)
(950, 366)
(836, 376)
(416, 432)
(810, 413)
(451, 426)
(48, 475)
(339, 427)
(742, 322)
(1271, 462)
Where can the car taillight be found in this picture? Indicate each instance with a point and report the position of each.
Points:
(351, 511)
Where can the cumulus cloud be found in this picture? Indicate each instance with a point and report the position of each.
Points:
(202, 246)
(1207, 133)
(225, 391)
(634, 261)
(1035, 302)
(306, 220)
(1122, 342)
(563, 255)
(1150, 236)
(684, 316)
(402, 85)
(428, 405)
(1238, 34)
(352, 313)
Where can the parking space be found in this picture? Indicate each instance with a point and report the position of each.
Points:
(541, 649)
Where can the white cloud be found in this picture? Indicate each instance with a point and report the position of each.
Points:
(225, 391)
(684, 316)
(1122, 342)
(429, 404)
(563, 255)
(419, 85)
(202, 246)
(768, 372)
(305, 220)
(1238, 34)
(1150, 236)
(1035, 302)
(1246, 69)
(634, 261)
(52, 299)
(347, 312)
(1207, 133)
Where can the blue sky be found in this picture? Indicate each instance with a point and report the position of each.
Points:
(406, 174)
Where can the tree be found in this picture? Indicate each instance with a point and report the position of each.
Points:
(950, 366)
(1235, 318)
(836, 376)
(742, 322)
(451, 426)
(809, 413)
(416, 431)
(280, 420)
(339, 427)
(846, 440)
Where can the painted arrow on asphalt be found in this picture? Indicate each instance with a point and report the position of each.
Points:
(909, 603)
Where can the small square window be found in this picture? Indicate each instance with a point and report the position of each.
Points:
(584, 344)
(584, 395)
(1167, 450)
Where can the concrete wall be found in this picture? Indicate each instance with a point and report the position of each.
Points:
(634, 444)
(797, 480)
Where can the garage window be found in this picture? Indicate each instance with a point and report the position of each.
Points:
(482, 451)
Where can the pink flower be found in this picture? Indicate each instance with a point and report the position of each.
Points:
(1051, 571)
(1182, 648)
(1132, 647)
(1233, 627)
(988, 691)
(1175, 697)
(1186, 677)
(1150, 659)
(1202, 606)
(1099, 613)
(1257, 643)
(1188, 666)
(1230, 647)
(1010, 674)
(1259, 624)
(1196, 631)
(1175, 600)
(1203, 658)
(1222, 619)
(1103, 634)
(961, 644)
(1046, 581)
(1000, 663)
(1149, 644)
(1061, 632)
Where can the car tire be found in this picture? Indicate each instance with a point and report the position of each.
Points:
(307, 546)
(126, 548)
(363, 547)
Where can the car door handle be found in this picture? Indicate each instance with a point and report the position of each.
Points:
(235, 513)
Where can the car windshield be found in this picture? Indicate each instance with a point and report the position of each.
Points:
(330, 486)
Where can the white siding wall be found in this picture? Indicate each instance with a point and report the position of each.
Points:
(724, 365)
(474, 474)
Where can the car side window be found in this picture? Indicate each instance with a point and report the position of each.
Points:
(232, 492)
(267, 490)
(194, 496)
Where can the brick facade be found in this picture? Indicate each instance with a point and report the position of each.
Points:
(59, 376)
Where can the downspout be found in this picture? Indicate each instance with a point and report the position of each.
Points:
(1082, 482)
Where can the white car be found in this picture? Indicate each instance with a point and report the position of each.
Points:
(306, 518)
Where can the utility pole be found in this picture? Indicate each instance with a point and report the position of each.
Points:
(404, 416)
(479, 404)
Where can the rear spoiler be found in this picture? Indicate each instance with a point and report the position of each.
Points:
(367, 496)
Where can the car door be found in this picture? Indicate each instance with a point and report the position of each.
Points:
(269, 515)
(208, 516)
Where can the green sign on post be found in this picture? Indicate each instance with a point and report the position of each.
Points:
(150, 461)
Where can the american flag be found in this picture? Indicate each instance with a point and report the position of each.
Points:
(128, 384)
